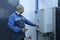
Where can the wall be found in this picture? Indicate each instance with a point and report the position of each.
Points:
(48, 3)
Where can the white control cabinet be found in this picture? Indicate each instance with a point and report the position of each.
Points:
(45, 19)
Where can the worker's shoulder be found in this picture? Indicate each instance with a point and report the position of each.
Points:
(12, 15)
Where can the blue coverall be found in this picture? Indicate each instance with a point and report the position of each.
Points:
(16, 23)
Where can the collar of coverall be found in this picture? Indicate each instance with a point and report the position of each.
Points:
(17, 12)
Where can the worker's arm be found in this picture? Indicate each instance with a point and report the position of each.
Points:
(29, 22)
(11, 24)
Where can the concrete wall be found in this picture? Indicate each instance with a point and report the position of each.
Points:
(48, 3)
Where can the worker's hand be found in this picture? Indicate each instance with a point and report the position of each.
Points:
(37, 26)
(24, 30)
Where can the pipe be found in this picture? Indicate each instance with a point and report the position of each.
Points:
(36, 12)
(36, 7)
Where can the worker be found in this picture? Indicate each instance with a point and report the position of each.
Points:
(16, 23)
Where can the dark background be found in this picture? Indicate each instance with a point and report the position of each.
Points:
(6, 8)
(59, 3)
(58, 21)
